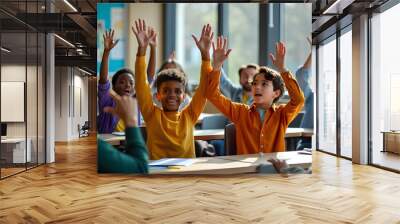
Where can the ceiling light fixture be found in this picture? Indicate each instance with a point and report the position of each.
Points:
(65, 41)
(84, 71)
(337, 7)
(70, 5)
(5, 50)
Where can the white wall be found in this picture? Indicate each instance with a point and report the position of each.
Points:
(16, 73)
(71, 94)
(33, 126)
(61, 103)
(152, 14)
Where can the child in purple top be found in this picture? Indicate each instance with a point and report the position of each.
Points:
(122, 83)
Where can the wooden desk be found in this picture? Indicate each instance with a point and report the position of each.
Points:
(14, 150)
(391, 141)
(212, 134)
(299, 132)
(216, 134)
(235, 164)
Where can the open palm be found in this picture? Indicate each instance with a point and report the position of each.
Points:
(221, 52)
(142, 36)
(279, 58)
(153, 37)
(109, 42)
(204, 44)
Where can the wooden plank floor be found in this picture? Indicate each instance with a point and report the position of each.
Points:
(70, 191)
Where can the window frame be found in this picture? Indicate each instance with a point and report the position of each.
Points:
(379, 10)
(347, 27)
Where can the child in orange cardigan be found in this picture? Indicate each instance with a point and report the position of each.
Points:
(260, 127)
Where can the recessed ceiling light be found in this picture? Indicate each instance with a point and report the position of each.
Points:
(5, 50)
(84, 71)
(70, 5)
(337, 7)
(64, 40)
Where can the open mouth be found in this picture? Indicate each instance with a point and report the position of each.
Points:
(171, 102)
(257, 95)
(127, 92)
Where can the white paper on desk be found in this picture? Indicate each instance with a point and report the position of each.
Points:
(118, 133)
(157, 168)
(172, 162)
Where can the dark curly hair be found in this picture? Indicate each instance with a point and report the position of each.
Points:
(273, 76)
(119, 73)
(171, 74)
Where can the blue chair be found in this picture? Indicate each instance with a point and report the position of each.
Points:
(296, 123)
(217, 121)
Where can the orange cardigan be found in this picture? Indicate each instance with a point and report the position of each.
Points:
(252, 135)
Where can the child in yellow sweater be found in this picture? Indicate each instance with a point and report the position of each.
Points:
(260, 127)
(169, 131)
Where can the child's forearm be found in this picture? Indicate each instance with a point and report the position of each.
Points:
(151, 68)
(223, 104)
(198, 101)
(136, 147)
(205, 56)
(141, 51)
(294, 90)
(213, 84)
(104, 67)
(143, 91)
(111, 160)
(205, 69)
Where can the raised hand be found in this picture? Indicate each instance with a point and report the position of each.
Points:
(143, 37)
(109, 42)
(220, 53)
(153, 37)
(279, 59)
(204, 44)
(125, 109)
(172, 56)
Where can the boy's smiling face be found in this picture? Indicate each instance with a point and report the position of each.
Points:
(171, 95)
(263, 90)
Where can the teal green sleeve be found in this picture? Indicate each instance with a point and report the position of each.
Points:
(134, 160)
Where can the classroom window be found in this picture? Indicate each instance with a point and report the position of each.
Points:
(327, 96)
(295, 28)
(243, 35)
(190, 18)
(346, 94)
(385, 84)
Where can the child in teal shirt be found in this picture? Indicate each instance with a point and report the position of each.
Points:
(135, 158)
